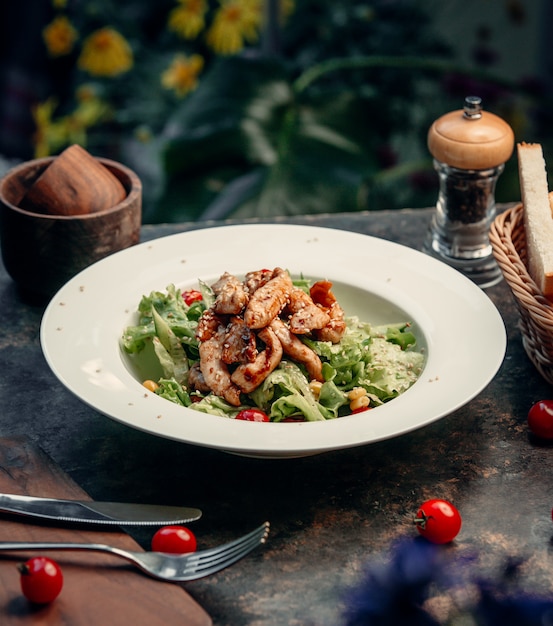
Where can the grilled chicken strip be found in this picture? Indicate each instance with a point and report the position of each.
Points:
(239, 345)
(214, 369)
(297, 350)
(255, 280)
(208, 324)
(196, 381)
(305, 314)
(249, 376)
(227, 332)
(336, 327)
(231, 295)
(269, 300)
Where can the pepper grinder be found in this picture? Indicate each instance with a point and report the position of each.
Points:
(470, 148)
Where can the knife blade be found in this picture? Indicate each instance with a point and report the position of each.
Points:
(91, 512)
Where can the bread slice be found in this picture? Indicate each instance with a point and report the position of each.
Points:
(538, 218)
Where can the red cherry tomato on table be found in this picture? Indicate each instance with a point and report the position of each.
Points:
(174, 540)
(192, 295)
(540, 419)
(438, 520)
(41, 579)
(252, 415)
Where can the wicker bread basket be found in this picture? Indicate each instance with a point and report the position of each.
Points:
(508, 240)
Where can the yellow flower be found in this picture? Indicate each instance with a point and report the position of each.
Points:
(59, 36)
(188, 19)
(42, 116)
(59, 4)
(90, 108)
(106, 53)
(235, 23)
(49, 135)
(182, 74)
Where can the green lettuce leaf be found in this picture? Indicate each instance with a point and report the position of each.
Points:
(173, 391)
(169, 350)
(397, 333)
(332, 398)
(391, 370)
(170, 306)
(215, 405)
(380, 359)
(286, 393)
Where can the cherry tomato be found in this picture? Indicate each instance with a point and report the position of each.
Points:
(253, 415)
(192, 295)
(438, 520)
(540, 419)
(361, 409)
(174, 540)
(41, 579)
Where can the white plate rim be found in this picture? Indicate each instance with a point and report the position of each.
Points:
(83, 322)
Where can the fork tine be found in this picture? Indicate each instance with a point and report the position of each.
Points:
(226, 551)
(213, 560)
(224, 562)
(257, 534)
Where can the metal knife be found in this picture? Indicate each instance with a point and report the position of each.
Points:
(81, 511)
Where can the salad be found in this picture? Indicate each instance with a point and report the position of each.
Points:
(270, 345)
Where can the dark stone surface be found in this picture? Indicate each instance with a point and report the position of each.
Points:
(329, 513)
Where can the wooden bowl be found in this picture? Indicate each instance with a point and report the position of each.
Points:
(42, 252)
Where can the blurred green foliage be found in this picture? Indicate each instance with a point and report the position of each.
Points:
(328, 113)
(335, 119)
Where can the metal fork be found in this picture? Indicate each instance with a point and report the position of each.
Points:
(170, 567)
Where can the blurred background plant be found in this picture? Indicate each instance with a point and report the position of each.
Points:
(239, 108)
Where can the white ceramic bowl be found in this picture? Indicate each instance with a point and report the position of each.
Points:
(381, 282)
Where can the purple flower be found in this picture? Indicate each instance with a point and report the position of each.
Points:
(392, 593)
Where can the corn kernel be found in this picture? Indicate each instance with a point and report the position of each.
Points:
(359, 403)
(151, 385)
(357, 392)
(315, 387)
